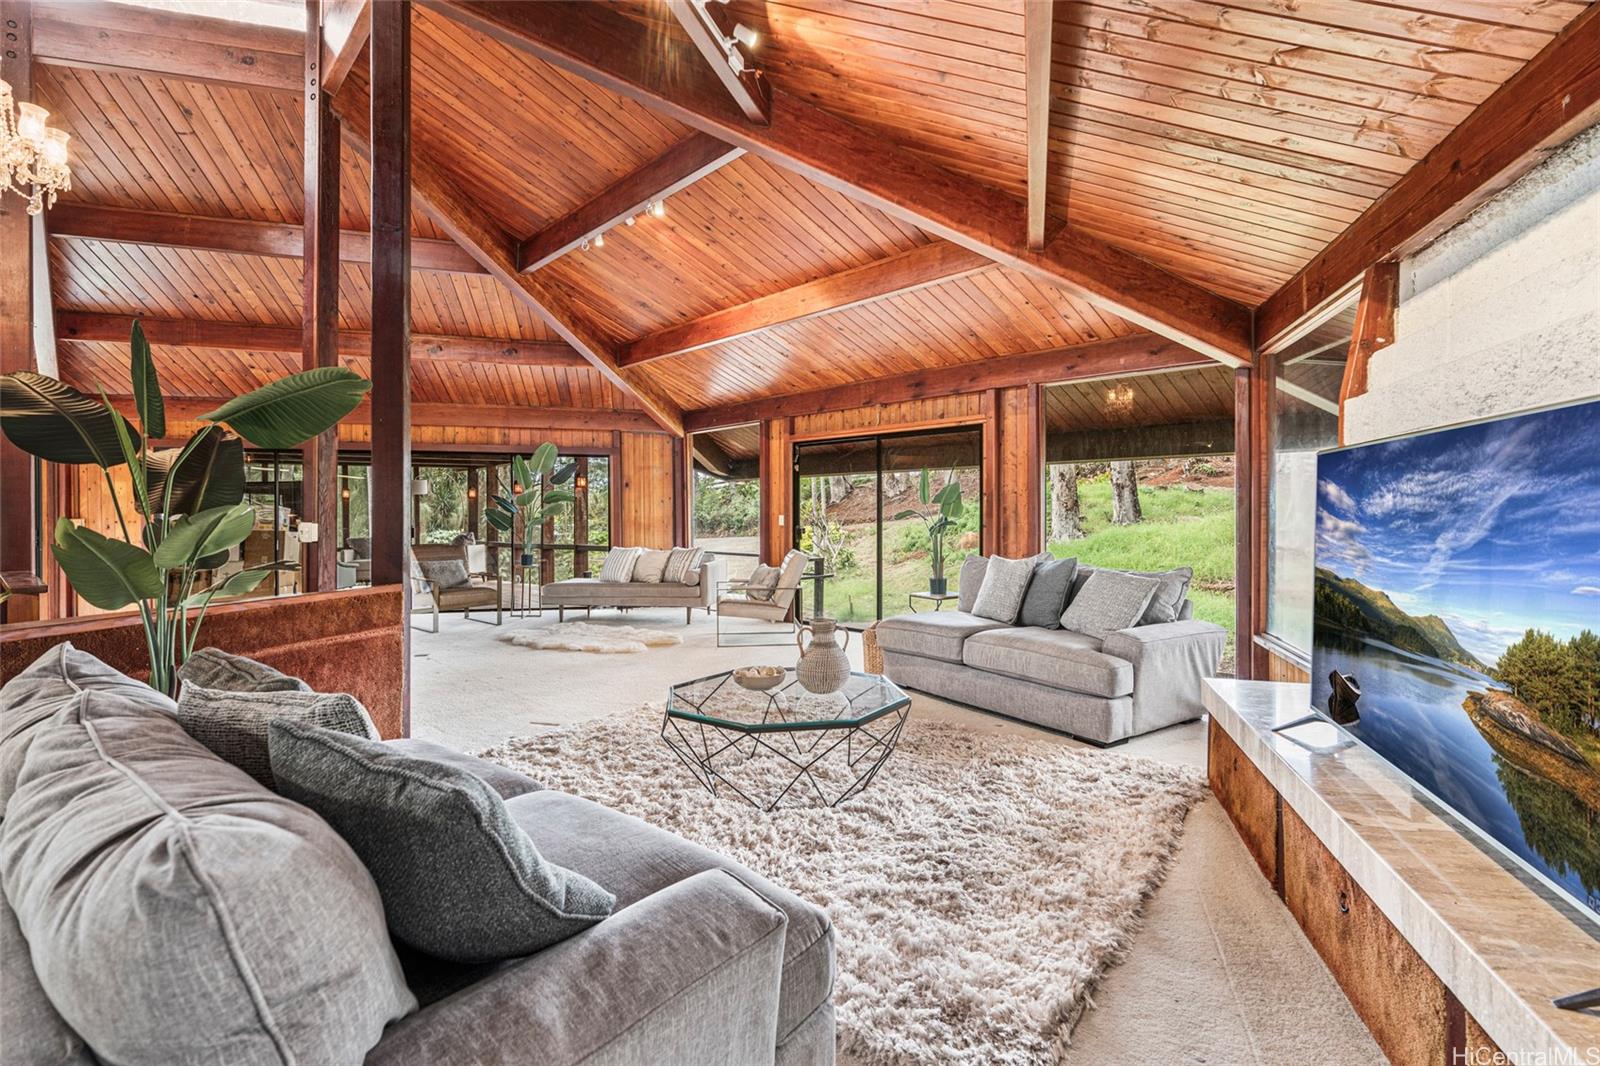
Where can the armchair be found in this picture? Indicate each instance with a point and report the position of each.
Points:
(736, 599)
(428, 594)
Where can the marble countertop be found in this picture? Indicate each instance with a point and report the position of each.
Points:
(1501, 946)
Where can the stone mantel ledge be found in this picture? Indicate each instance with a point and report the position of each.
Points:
(1500, 946)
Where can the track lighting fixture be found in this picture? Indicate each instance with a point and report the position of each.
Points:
(599, 240)
(659, 209)
(746, 36)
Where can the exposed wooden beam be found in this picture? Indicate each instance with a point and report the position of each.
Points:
(346, 26)
(1167, 441)
(278, 239)
(677, 168)
(319, 456)
(18, 528)
(1380, 298)
(463, 415)
(905, 272)
(1125, 355)
(353, 344)
(141, 41)
(628, 58)
(1305, 395)
(472, 228)
(747, 87)
(1038, 18)
(1554, 96)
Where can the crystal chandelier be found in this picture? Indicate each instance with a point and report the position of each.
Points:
(33, 156)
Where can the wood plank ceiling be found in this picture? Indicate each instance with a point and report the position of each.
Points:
(1226, 142)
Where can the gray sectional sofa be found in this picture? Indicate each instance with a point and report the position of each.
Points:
(1133, 681)
(162, 906)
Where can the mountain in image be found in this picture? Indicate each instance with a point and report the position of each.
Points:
(1346, 603)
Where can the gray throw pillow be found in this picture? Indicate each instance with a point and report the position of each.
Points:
(446, 573)
(1046, 597)
(1109, 600)
(215, 668)
(763, 582)
(970, 581)
(1005, 582)
(1166, 604)
(176, 912)
(233, 725)
(460, 880)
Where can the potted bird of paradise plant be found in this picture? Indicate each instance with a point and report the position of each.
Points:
(533, 497)
(187, 503)
(951, 507)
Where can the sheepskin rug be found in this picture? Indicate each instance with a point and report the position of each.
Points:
(979, 887)
(586, 636)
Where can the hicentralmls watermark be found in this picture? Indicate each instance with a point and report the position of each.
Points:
(1493, 1057)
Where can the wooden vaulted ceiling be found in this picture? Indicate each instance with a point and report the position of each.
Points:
(1225, 143)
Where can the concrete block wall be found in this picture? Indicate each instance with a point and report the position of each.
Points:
(1502, 313)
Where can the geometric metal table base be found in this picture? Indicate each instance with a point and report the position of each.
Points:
(769, 756)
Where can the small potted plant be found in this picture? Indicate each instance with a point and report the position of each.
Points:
(950, 507)
(529, 499)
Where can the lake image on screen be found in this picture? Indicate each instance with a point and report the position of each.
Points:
(1458, 591)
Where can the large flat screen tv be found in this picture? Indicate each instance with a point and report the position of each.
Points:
(1457, 626)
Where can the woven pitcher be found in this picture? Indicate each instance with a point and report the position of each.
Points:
(823, 667)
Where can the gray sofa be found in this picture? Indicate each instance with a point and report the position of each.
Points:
(1135, 681)
(698, 593)
(161, 906)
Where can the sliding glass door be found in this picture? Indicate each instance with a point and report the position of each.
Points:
(859, 507)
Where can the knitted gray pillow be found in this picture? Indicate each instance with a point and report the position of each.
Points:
(1168, 600)
(459, 878)
(681, 565)
(763, 583)
(970, 581)
(1110, 600)
(1046, 597)
(446, 573)
(1005, 582)
(215, 668)
(233, 725)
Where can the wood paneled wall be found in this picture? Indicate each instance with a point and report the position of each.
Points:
(1019, 472)
(777, 489)
(645, 470)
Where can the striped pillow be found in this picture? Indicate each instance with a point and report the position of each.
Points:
(681, 564)
(619, 564)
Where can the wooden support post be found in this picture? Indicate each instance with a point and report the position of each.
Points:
(777, 490)
(344, 505)
(991, 535)
(580, 516)
(18, 518)
(320, 455)
(547, 536)
(1374, 330)
(390, 124)
(473, 494)
(682, 491)
(1243, 523)
(491, 488)
(614, 513)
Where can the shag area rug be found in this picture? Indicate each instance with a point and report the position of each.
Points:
(979, 887)
(586, 636)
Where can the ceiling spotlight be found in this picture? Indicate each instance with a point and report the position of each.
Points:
(584, 247)
(599, 240)
(746, 36)
(630, 220)
(659, 209)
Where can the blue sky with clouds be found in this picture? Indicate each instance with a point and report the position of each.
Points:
(1493, 527)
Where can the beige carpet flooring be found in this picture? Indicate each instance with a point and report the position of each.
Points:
(1218, 974)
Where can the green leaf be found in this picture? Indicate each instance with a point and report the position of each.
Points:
(544, 459)
(564, 473)
(955, 507)
(209, 473)
(108, 573)
(146, 389)
(58, 423)
(560, 496)
(521, 474)
(290, 411)
(525, 498)
(238, 584)
(192, 536)
(908, 513)
(499, 520)
(922, 486)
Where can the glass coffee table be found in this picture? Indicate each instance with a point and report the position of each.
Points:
(785, 745)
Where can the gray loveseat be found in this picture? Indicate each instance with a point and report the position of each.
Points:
(161, 906)
(1135, 681)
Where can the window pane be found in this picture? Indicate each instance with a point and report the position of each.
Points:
(725, 510)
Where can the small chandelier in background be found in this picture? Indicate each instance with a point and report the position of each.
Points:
(33, 156)
(1119, 398)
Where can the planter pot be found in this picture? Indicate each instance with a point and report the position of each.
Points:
(527, 558)
(938, 585)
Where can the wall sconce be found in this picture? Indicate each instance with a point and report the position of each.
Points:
(419, 486)
(344, 493)
(580, 484)
(472, 493)
(516, 488)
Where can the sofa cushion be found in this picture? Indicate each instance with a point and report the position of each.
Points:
(683, 566)
(635, 860)
(650, 565)
(33, 697)
(1109, 600)
(763, 582)
(233, 725)
(619, 564)
(1170, 602)
(933, 634)
(446, 573)
(502, 779)
(34, 1033)
(1047, 592)
(970, 581)
(459, 879)
(215, 668)
(1005, 583)
(178, 912)
(1059, 658)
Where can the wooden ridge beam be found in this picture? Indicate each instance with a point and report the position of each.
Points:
(143, 41)
(1038, 17)
(465, 415)
(353, 344)
(472, 228)
(281, 240)
(1142, 353)
(673, 170)
(631, 59)
(1554, 96)
(747, 87)
(346, 26)
(908, 271)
